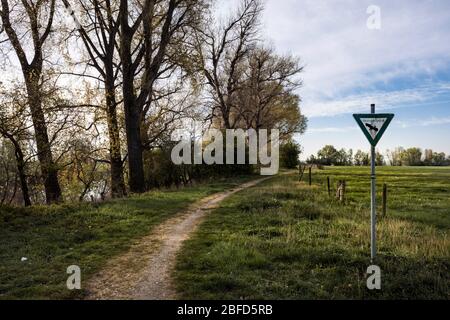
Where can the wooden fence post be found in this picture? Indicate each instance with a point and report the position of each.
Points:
(310, 177)
(384, 199)
(343, 191)
(328, 186)
(340, 192)
(338, 189)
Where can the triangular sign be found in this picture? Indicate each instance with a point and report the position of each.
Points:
(373, 125)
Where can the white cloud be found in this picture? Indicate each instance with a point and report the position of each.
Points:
(331, 129)
(433, 121)
(342, 56)
(360, 102)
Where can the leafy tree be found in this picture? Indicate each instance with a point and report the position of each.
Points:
(155, 59)
(428, 157)
(266, 98)
(394, 156)
(222, 49)
(99, 40)
(8, 173)
(362, 158)
(36, 23)
(289, 153)
(14, 127)
(147, 31)
(379, 159)
(349, 160)
(344, 158)
(328, 155)
(411, 157)
(438, 159)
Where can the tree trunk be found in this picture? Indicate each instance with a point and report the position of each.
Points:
(48, 168)
(132, 112)
(32, 74)
(22, 176)
(117, 181)
(135, 162)
(20, 163)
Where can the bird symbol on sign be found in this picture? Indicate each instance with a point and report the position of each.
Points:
(371, 127)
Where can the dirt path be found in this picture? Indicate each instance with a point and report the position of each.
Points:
(144, 271)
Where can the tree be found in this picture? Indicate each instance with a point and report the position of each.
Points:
(159, 60)
(328, 155)
(349, 157)
(85, 169)
(411, 157)
(289, 153)
(344, 158)
(362, 158)
(312, 160)
(266, 97)
(394, 156)
(428, 157)
(438, 159)
(99, 38)
(146, 33)
(8, 174)
(379, 159)
(37, 24)
(222, 50)
(249, 85)
(14, 127)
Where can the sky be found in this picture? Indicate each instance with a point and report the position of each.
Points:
(403, 67)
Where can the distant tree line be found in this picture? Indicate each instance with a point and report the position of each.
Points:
(330, 156)
(416, 157)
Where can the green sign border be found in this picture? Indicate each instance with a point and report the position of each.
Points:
(388, 116)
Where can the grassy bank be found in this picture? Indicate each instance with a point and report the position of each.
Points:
(286, 240)
(87, 235)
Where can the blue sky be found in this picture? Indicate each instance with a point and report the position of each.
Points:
(403, 68)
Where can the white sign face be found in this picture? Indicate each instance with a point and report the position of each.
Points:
(373, 125)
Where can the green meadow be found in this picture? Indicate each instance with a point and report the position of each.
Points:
(281, 239)
(284, 239)
(55, 237)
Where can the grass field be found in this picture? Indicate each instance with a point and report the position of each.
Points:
(286, 240)
(87, 235)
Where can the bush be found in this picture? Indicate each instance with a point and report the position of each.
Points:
(289, 153)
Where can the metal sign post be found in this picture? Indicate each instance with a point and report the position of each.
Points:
(373, 200)
(373, 126)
